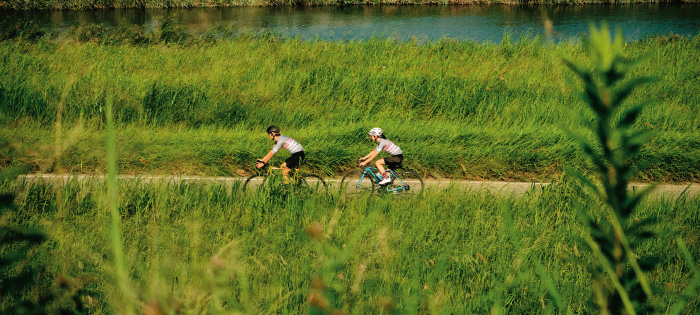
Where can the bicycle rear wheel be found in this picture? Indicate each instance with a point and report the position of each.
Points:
(354, 184)
(407, 183)
(311, 183)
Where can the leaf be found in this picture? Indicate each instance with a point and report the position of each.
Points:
(596, 158)
(13, 172)
(583, 179)
(576, 67)
(632, 63)
(578, 117)
(629, 116)
(550, 285)
(637, 138)
(649, 263)
(627, 89)
(12, 234)
(16, 283)
(7, 201)
(638, 226)
(632, 201)
(596, 101)
(688, 292)
(11, 258)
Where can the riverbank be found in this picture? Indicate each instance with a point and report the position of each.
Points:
(151, 4)
(200, 106)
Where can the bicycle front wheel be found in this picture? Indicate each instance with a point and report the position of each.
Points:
(312, 183)
(253, 181)
(406, 183)
(356, 183)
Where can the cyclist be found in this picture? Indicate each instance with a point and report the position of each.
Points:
(393, 162)
(282, 141)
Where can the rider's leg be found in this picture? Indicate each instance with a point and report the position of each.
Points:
(285, 172)
(380, 166)
(292, 163)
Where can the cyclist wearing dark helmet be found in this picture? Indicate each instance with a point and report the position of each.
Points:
(393, 162)
(282, 141)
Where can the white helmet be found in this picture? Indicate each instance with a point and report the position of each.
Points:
(376, 132)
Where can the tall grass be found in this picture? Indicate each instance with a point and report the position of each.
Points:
(201, 106)
(21, 284)
(209, 247)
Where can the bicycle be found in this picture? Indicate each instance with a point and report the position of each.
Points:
(363, 181)
(299, 181)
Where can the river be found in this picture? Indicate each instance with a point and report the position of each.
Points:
(412, 22)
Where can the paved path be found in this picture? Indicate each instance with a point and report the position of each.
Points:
(495, 187)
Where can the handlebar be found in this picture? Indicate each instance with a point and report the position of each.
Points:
(267, 165)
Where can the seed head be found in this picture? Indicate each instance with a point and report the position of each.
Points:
(315, 231)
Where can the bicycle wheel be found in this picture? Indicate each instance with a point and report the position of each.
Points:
(406, 183)
(254, 181)
(354, 183)
(311, 183)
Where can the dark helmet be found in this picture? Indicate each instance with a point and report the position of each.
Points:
(273, 129)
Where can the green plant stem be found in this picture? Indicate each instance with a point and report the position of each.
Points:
(112, 204)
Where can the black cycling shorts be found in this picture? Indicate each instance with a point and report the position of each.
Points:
(295, 160)
(394, 162)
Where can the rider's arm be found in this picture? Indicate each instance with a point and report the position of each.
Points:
(369, 157)
(264, 160)
(268, 156)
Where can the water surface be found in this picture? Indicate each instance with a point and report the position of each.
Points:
(467, 22)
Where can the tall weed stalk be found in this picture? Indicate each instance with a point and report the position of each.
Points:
(620, 285)
(112, 204)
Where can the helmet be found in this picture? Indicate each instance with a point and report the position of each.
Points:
(376, 132)
(273, 129)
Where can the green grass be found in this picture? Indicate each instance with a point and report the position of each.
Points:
(458, 109)
(194, 247)
(208, 247)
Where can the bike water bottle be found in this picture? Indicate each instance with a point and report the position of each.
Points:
(379, 175)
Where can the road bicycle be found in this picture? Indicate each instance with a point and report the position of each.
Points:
(366, 181)
(271, 177)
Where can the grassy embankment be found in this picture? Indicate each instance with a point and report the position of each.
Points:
(199, 106)
(102, 4)
(194, 248)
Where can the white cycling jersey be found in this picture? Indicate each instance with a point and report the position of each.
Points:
(287, 143)
(389, 147)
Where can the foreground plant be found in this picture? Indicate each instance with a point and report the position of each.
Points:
(22, 271)
(619, 282)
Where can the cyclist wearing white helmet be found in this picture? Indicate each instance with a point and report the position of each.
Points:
(393, 162)
(282, 141)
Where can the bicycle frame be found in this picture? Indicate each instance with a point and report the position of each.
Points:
(268, 170)
(372, 171)
(296, 177)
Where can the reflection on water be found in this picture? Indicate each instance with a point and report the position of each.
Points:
(471, 22)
